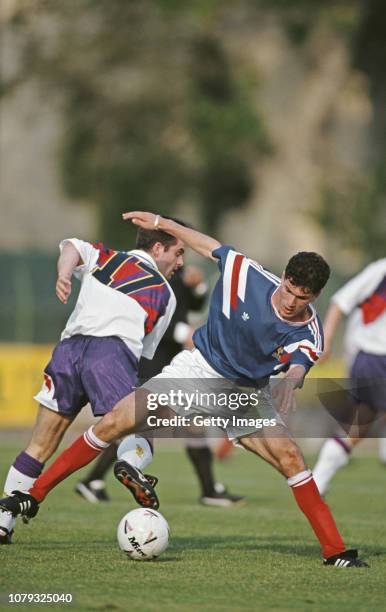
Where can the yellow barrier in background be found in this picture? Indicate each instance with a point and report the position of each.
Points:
(21, 376)
(333, 368)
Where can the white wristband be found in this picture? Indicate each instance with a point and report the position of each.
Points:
(156, 222)
(182, 332)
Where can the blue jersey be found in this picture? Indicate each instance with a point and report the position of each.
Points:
(244, 338)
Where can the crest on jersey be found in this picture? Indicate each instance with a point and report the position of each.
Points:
(281, 354)
(284, 353)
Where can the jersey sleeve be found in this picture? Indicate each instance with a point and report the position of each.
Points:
(221, 253)
(306, 347)
(359, 288)
(87, 251)
(306, 355)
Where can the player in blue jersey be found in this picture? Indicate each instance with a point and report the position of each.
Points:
(258, 326)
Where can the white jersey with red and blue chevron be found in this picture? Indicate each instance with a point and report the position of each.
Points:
(363, 299)
(122, 294)
(244, 338)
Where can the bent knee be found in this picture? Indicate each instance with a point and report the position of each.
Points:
(108, 427)
(115, 424)
(291, 460)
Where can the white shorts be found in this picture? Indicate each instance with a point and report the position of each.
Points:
(195, 388)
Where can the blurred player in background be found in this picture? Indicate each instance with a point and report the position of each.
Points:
(190, 291)
(258, 325)
(124, 307)
(363, 300)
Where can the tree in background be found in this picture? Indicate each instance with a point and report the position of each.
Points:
(227, 133)
(154, 112)
(354, 214)
(159, 110)
(160, 105)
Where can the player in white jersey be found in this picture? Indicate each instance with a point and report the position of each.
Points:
(123, 309)
(363, 300)
(258, 325)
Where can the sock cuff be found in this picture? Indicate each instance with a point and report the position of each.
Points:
(27, 465)
(300, 479)
(92, 440)
(343, 444)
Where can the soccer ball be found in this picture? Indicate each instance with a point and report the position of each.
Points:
(143, 534)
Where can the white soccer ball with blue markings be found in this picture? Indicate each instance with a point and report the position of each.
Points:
(143, 534)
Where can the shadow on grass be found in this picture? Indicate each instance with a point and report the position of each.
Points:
(232, 544)
(290, 545)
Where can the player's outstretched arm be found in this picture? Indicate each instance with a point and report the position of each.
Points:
(201, 243)
(330, 324)
(68, 260)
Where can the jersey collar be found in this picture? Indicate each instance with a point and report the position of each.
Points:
(296, 323)
(144, 255)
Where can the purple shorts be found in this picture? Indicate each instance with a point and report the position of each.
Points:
(368, 380)
(88, 369)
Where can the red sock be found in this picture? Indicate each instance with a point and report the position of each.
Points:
(318, 514)
(224, 449)
(80, 453)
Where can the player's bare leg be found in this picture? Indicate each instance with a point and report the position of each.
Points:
(129, 415)
(284, 454)
(48, 432)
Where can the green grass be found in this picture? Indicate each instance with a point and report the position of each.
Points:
(260, 557)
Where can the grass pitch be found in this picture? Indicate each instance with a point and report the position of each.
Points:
(260, 557)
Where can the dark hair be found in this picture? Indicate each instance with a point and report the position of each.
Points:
(308, 269)
(147, 238)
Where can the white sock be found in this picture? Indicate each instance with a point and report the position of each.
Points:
(136, 451)
(7, 521)
(332, 457)
(17, 481)
(382, 449)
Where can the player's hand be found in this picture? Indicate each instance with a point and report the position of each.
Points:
(283, 395)
(63, 288)
(193, 276)
(146, 220)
